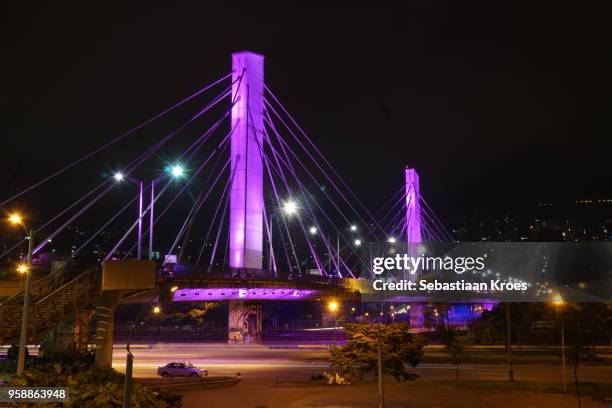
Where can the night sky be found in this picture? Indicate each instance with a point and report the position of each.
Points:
(495, 105)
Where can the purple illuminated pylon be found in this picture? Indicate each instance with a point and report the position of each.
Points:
(246, 193)
(413, 207)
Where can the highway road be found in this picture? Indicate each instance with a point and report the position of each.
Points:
(262, 362)
(261, 366)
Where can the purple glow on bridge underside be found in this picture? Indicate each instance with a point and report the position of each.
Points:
(413, 207)
(218, 294)
(246, 193)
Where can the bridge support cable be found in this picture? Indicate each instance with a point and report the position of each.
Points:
(183, 189)
(324, 173)
(224, 199)
(396, 219)
(435, 229)
(299, 216)
(129, 169)
(316, 149)
(197, 205)
(282, 216)
(297, 159)
(314, 219)
(398, 203)
(336, 259)
(234, 101)
(268, 167)
(195, 146)
(117, 139)
(199, 142)
(152, 203)
(103, 227)
(215, 246)
(50, 221)
(268, 232)
(138, 220)
(282, 141)
(437, 221)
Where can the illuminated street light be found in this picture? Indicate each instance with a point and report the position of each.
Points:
(290, 207)
(357, 242)
(118, 176)
(177, 171)
(156, 310)
(15, 219)
(353, 227)
(558, 302)
(333, 307)
(392, 240)
(313, 230)
(174, 289)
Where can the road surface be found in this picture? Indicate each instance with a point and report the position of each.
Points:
(262, 362)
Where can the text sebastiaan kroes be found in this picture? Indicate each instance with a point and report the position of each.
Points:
(459, 265)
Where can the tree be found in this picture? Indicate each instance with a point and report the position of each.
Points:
(359, 356)
(457, 350)
(585, 324)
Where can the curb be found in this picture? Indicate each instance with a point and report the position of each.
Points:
(188, 384)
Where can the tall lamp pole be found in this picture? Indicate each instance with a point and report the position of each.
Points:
(17, 219)
(176, 171)
(509, 344)
(559, 303)
(333, 308)
(381, 395)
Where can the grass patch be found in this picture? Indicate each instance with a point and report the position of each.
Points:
(587, 389)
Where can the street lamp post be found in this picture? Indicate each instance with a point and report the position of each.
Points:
(333, 307)
(119, 177)
(140, 202)
(151, 220)
(559, 303)
(176, 171)
(509, 344)
(18, 220)
(381, 395)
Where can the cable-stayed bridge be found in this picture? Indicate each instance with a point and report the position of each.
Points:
(274, 219)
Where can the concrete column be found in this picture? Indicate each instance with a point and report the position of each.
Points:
(413, 218)
(105, 313)
(246, 192)
(244, 322)
(413, 207)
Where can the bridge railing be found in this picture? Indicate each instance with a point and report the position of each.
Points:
(190, 271)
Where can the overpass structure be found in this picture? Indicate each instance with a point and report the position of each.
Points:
(283, 226)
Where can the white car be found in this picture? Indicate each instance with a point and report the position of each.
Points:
(177, 369)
